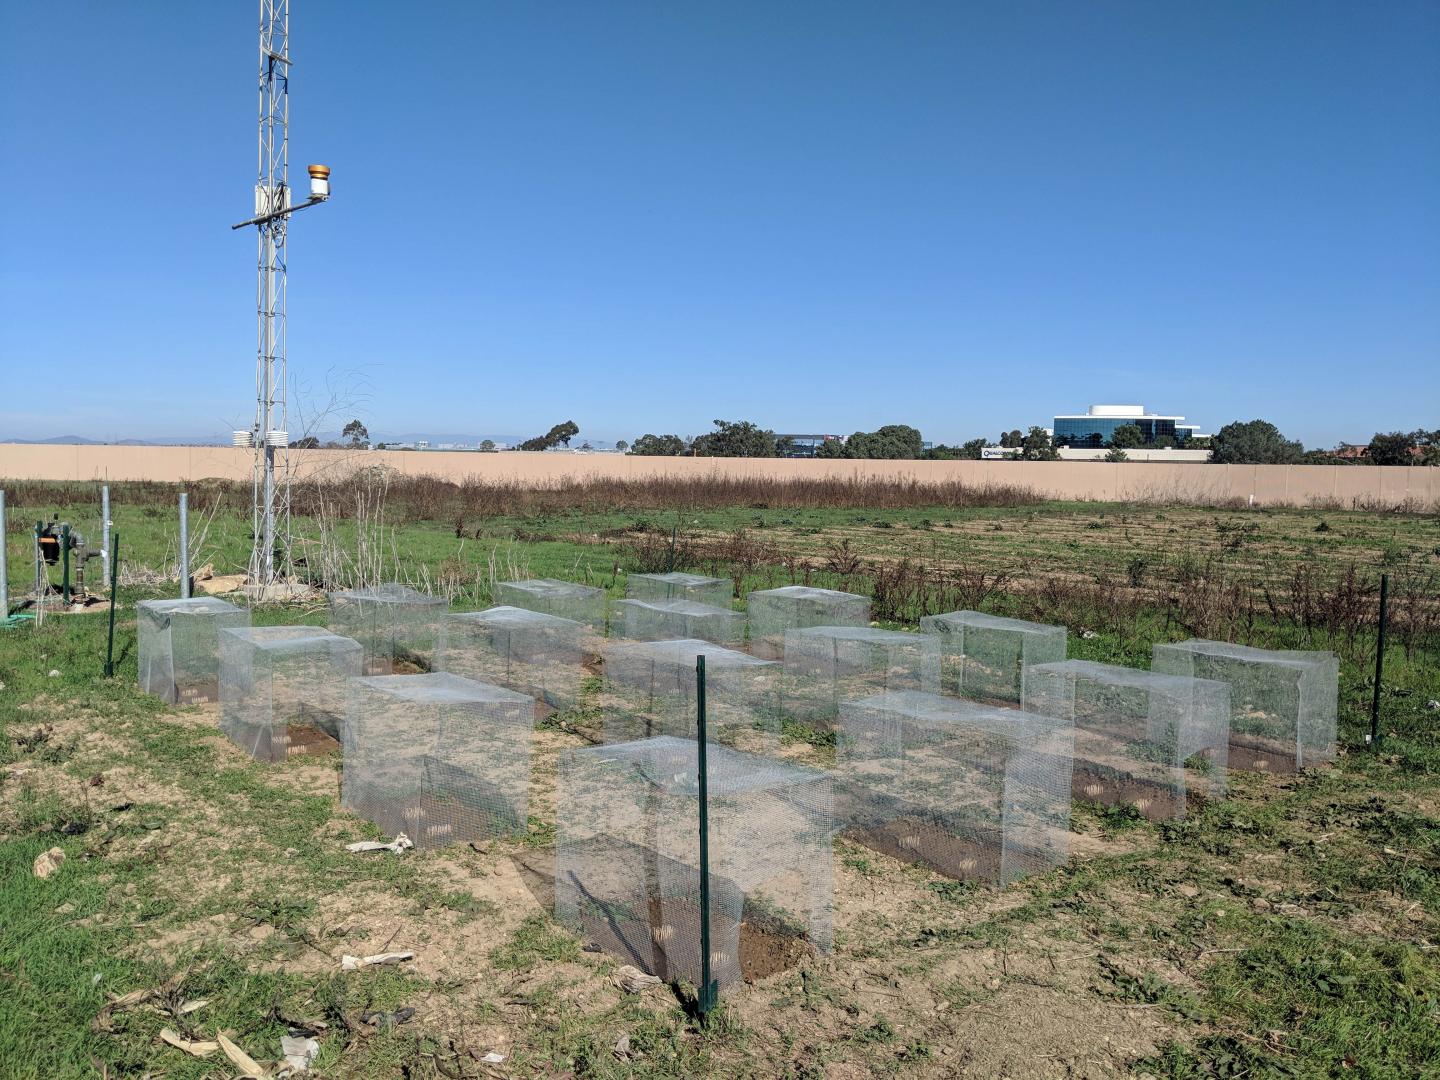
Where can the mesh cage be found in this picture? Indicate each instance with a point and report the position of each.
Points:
(1283, 703)
(984, 657)
(974, 792)
(1136, 732)
(703, 590)
(580, 603)
(395, 624)
(527, 651)
(650, 690)
(825, 665)
(282, 688)
(627, 857)
(438, 757)
(659, 620)
(794, 607)
(180, 646)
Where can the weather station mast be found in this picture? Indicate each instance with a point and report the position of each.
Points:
(270, 513)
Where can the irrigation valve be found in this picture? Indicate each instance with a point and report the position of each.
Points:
(319, 181)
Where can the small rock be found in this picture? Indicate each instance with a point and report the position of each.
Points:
(47, 863)
(1187, 890)
(1260, 904)
(54, 673)
(992, 984)
(1088, 634)
(2, 687)
(64, 909)
(1433, 705)
(291, 852)
(622, 1046)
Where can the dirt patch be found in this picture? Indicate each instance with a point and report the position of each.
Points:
(1261, 755)
(1100, 784)
(764, 953)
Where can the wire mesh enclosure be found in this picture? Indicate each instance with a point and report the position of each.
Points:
(179, 646)
(974, 792)
(527, 651)
(1142, 738)
(649, 691)
(438, 757)
(627, 858)
(984, 657)
(677, 586)
(1283, 703)
(658, 620)
(282, 688)
(395, 625)
(580, 603)
(824, 665)
(794, 607)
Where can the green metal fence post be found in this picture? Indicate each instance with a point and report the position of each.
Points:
(1374, 737)
(114, 576)
(708, 989)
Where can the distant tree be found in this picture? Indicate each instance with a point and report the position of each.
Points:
(559, 435)
(621, 445)
(1429, 444)
(356, 433)
(1164, 442)
(1128, 436)
(379, 446)
(1012, 438)
(784, 446)
(739, 438)
(309, 442)
(487, 445)
(1117, 453)
(1254, 442)
(831, 448)
(893, 441)
(658, 446)
(1394, 448)
(972, 449)
(1198, 442)
(1036, 446)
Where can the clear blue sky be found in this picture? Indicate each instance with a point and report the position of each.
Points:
(820, 216)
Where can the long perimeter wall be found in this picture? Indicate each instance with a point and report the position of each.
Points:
(1339, 486)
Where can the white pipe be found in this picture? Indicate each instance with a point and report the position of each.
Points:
(4, 567)
(105, 531)
(184, 546)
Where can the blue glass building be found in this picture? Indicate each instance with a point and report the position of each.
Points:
(1096, 428)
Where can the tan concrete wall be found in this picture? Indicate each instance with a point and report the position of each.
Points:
(1268, 485)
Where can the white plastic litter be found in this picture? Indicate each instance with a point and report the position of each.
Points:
(354, 963)
(299, 1053)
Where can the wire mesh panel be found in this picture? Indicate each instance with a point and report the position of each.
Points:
(527, 651)
(677, 586)
(180, 646)
(794, 607)
(1136, 732)
(1283, 703)
(972, 791)
(395, 624)
(441, 758)
(984, 657)
(627, 857)
(658, 620)
(581, 603)
(282, 688)
(650, 690)
(825, 665)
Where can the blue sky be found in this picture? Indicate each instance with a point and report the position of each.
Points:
(820, 216)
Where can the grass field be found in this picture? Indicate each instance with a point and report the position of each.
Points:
(1291, 930)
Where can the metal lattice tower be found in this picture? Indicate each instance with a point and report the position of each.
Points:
(273, 207)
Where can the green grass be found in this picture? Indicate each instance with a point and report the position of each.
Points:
(1315, 909)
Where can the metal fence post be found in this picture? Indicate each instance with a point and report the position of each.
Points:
(708, 993)
(114, 575)
(1374, 737)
